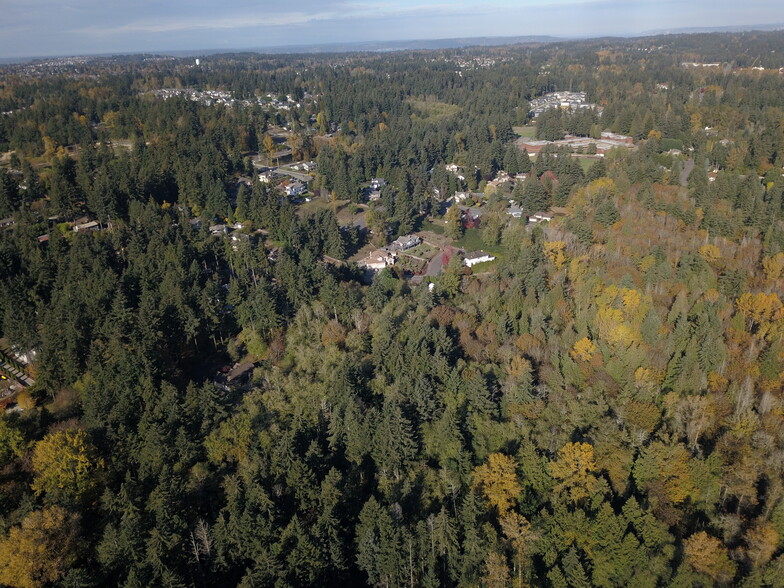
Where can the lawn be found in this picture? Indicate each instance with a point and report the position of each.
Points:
(485, 266)
(472, 241)
(433, 110)
(437, 227)
(318, 204)
(586, 163)
(526, 131)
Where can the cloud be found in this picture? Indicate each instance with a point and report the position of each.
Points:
(207, 23)
(247, 19)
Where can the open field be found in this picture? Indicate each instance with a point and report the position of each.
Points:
(472, 241)
(432, 111)
(526, 131)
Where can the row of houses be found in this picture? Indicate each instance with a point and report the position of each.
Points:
(601, 146)
(387, 256)
(383, 258)
(291, 186)
(80, 225)
(215, 97)
(565, 100)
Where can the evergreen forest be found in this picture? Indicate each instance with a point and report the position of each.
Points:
(208, 389)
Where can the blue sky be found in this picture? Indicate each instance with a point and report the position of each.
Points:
(75, 27)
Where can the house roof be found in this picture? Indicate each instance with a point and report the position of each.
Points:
(478, 255)
(239, 370)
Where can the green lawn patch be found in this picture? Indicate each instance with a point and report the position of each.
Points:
(586, 163)
(433, 110)
(314, 205)
(434, 227)
(526, 131)
(472, 241)
(485, 266)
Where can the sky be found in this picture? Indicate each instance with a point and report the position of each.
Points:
(30, 28)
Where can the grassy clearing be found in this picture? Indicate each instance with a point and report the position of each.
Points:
(318, 204)
(526, 131)
(434, 227)
(485, 266)
(472, 241)
(432, 111)
(586, 163)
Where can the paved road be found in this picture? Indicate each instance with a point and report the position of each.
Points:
(686, 171)
(436, 264)
(295, 175)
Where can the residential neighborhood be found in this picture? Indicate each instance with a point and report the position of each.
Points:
(564, 100)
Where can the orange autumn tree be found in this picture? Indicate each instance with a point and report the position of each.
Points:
(40, 550)
(706, 555)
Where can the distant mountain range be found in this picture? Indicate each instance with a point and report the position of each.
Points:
(458, 42)
(727, 29)
(424, 44)
(383, 46)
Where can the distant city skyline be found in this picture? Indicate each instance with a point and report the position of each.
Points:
(33, 28)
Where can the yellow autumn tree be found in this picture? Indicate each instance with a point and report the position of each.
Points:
(583, 350)
(575, 471)
(613, 329)
(40, 550)
(773, 266)
(65, 464)
(497, 480)
(269, 145)
(50, 147)
(554, 251)
(666, 471)
(764, 313)
(710, 253)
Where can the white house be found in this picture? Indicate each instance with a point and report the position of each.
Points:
(540, 217)
(295, 189)
(477, 257)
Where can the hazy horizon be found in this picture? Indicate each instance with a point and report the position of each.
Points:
(42, 28)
